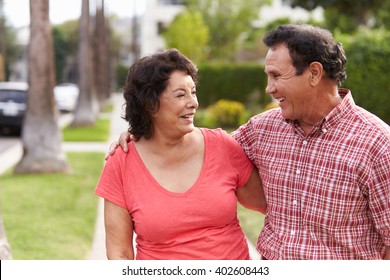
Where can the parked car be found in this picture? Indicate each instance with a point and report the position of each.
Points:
(66, 96)
(12, 106)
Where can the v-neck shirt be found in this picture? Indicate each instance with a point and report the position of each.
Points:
(200, 223)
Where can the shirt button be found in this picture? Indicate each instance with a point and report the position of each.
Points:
(324, 130)
(298, 172)
(304, 142)
(292, 232)
(295, 202)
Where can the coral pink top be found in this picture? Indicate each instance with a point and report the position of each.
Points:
(200, 223)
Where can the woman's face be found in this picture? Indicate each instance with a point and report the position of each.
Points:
(178, 104)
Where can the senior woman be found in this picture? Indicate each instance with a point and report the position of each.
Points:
(177, 187)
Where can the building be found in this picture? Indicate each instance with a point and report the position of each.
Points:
(157, 16)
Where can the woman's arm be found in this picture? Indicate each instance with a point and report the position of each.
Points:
(251, 195)
(387, 253)
(119, 232)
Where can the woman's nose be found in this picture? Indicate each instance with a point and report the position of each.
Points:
(193, 101)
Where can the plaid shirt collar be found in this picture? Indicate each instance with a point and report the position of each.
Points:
(335, 116)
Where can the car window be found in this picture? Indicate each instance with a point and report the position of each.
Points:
(17, 96)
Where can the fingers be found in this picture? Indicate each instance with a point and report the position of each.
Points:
(111, 150)
(123, 140)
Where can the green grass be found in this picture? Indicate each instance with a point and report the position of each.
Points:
(251, 222)
(97, 133)
(52, 216)
(108, 108)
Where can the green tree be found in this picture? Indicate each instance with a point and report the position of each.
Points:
(383, 15)
(340, 12)
(60, 54)
(189, 34)
(65, 38)
(227, 20)
(9, 49)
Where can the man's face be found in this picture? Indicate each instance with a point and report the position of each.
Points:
(292, 91)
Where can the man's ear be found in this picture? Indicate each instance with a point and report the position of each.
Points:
(316, 70)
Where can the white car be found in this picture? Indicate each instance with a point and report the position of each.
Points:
(66, 96)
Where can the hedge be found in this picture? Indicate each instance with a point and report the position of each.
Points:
(243, 82)
(368, 55)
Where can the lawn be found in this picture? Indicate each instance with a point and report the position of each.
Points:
(52, 216)
(97, 133)
(251, 222)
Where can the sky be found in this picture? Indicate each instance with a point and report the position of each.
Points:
(18, 11)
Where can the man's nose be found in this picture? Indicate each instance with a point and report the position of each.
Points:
(270, 88)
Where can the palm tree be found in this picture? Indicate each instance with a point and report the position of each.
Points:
(101, 56)
(41, 136)
(87, 107)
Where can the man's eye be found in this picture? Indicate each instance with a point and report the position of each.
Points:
(193, 93)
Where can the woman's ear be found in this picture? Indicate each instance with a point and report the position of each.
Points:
(316, 70)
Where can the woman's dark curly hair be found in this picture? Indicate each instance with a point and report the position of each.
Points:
(306, 44)
(146, 80)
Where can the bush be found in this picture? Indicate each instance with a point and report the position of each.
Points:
(232, 81)
(226, 114)
(368, 53)
(121, 75)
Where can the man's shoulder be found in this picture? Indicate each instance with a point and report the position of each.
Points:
(370, 122)
(269, 116)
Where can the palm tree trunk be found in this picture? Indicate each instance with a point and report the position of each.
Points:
(101, 60)
(87, 107)
(41, 135)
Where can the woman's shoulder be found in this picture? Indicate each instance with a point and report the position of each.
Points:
(217, 132)
(120, 155)
(218, 137)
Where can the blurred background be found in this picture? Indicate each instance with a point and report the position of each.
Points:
(63, 65)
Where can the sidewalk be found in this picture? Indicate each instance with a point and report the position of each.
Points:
(118, 125)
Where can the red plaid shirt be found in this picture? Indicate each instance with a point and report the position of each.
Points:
(328, 192)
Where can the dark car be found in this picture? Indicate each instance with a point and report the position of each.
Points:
(12, 106)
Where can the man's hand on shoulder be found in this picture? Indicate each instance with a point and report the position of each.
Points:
(124, 138)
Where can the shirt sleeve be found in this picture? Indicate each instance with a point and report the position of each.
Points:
(379, 187)
(239, 160)
(110, 185)
(244, 136)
